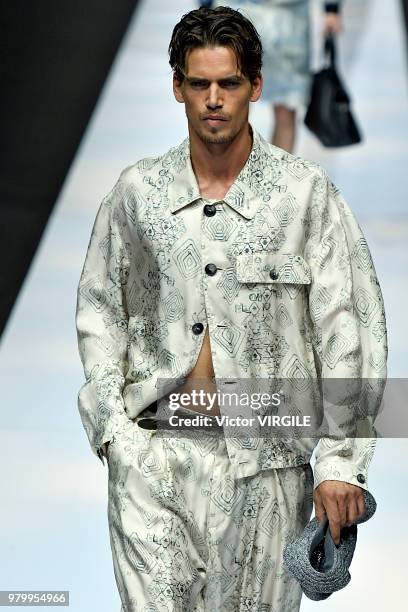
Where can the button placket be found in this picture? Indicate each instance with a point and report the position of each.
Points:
(209, 313)
(209, 248)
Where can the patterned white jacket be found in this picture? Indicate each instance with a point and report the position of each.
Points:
(279, 271)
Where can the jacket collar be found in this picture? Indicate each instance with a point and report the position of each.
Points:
(247, 192)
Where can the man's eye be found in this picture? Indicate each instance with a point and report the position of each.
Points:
(198, 84)
(230, 84)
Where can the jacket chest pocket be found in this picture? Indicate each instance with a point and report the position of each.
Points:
(285, 268)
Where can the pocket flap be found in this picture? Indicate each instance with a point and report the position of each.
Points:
(272, 268)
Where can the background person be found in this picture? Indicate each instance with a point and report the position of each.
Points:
(284, 27)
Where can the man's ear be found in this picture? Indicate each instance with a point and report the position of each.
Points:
(256, 88)
(177, 87)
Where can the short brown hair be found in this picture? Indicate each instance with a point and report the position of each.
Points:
(220, 26)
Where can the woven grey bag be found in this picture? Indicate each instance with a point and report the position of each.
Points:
(317, 563)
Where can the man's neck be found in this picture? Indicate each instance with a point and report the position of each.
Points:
(216, 166)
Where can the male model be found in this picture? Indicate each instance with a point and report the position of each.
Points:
(225, 258)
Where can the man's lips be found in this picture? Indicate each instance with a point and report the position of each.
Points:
(215, 119)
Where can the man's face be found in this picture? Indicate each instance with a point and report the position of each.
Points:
(215, 93)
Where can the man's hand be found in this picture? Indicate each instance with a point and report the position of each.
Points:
(332, 24)
(342, 503)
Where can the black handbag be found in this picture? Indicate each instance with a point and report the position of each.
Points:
(328, 114)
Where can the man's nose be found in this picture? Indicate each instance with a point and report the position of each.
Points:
(214, 98)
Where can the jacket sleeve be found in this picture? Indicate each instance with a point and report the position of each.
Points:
(101, 323)
(349, 335)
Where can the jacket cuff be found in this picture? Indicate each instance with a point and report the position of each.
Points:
(121, 422)
(340, 468)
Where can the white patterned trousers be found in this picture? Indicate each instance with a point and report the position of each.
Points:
(186, 536)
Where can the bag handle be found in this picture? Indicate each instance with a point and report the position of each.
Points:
(330, 50)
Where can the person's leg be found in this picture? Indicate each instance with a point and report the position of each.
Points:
(250, 523)
(291, 506)
(157, 508)
(284, 127)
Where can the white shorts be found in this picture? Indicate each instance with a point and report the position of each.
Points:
(188, 536)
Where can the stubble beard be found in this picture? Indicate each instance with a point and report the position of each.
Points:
(216, 138)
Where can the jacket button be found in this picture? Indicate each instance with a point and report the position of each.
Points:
(273, 274)
(197, 328)
(209, 210)
(211, 269)
(360, 478)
